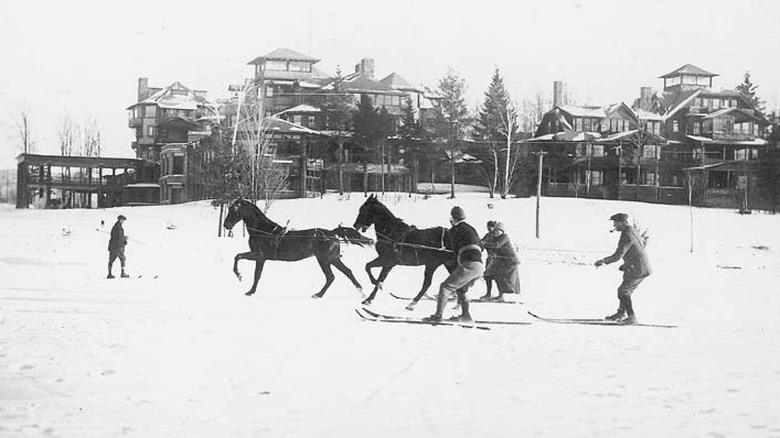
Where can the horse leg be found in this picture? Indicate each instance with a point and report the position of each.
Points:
(242, 256)
(325, 266)
(259, 263)
(378, 285)
(348, 272)
(377, 262)
(429, 270)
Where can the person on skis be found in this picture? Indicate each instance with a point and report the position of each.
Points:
(466, 245)
(635, 267)
(116, 246)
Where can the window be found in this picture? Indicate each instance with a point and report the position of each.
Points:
(716, 103)
(597, 150)
(648, 178)
(675, 126)
(178, 165)
(578, 124)
(269, 91)
(649, 151)
(596, 177)
(275, 65)
(297, 119)
(741, 154)
(150, 131)
(300, 66)
(151, 111)
(696, 128)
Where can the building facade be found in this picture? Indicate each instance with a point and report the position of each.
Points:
(687, 141)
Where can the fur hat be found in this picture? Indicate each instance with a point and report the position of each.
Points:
(457, 213)
(491, 224)
(499, 226)
(121, 217)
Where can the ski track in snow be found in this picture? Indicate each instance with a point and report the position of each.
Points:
(187, 354)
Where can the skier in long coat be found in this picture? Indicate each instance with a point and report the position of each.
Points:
(116, 246)
(503, 263)
(636, 267)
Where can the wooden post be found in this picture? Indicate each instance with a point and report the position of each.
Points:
(341, 165)
(303, 166)
(539, 192)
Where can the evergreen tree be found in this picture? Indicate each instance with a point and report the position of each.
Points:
(496, 123)
(748, 89)
(451, 117)
(411, 133)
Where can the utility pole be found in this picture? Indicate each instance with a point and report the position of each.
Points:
(539, 190)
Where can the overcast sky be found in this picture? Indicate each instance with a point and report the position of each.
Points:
(82, 58)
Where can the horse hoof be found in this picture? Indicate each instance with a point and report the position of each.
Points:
(366, 302)
(411, 305)
(238, 276)
(250, 293)
(316, 296)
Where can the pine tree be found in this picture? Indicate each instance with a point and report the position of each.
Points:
(452, 116)
(748, 89)
(496, 123)
(411, 133)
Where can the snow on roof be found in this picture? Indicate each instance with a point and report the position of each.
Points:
(395, 81)
(175, 96)
(647, 115)
(303, 108)
(584, 111)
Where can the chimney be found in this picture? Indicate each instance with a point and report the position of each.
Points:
(645, 98)
(557, 94)
(366, 67)
(143, 88)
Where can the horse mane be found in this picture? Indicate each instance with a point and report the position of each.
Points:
(386, 211)
(258, 213)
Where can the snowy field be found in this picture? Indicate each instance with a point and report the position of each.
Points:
(186, 354)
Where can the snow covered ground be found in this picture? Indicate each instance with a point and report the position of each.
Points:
(186, 354)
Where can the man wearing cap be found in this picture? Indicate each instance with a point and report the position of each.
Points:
(636, 267)
(116, 246)
(466, 245)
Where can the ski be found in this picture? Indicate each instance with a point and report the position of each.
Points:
(371, 316)
(594, 321)
(479, 322)
(427, 297)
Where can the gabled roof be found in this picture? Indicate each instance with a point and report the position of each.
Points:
(174, 96)
(672, 102)
(285, 55)
(688, 69)
(361, 83)
(746, 113)
(395, 81)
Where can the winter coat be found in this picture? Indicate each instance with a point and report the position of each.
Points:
(118, 239)
(465, 243)
(631, 248)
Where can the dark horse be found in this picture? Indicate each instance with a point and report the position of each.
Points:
(270, 241)
(400, 244)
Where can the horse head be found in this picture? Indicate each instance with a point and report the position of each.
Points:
(235, 213)
(369, 212)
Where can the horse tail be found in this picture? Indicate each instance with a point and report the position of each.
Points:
(350, 235)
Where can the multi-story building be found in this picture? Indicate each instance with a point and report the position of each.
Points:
(686, 137)
(166, 115)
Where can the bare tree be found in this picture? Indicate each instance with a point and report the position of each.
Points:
(68, 134)
(90, 140)
(23, 131)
